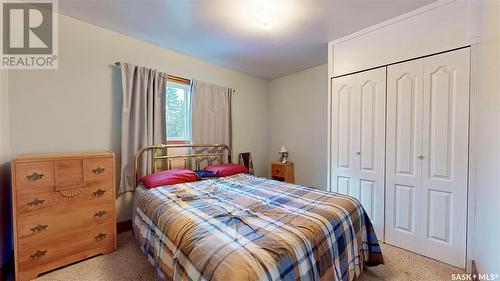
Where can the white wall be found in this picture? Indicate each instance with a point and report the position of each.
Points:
(298, 120)
(487, 244)
(78, 106)
(5, 228)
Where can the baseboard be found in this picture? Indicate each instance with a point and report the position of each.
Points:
(124, 226)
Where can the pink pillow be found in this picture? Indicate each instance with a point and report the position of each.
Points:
(227, 169)
(169, 177)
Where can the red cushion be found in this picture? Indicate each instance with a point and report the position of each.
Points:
(169, 177)
(227, 169)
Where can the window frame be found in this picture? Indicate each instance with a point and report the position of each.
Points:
(186, 85)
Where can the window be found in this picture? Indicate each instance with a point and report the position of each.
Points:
(178, 112)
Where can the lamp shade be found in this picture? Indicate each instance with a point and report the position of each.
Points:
(283, 149)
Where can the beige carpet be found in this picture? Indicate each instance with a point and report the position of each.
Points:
(128, 263)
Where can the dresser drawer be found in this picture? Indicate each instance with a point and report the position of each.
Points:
(68, 174)
(100, 189)
(278, 170)
(97, 168)
(37, 252)
(36, 200)
(53, 222)
(35, 174)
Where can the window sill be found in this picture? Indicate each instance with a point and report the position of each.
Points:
(178, 142)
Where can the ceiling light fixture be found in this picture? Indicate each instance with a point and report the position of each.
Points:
(259, 17)
(263, 16)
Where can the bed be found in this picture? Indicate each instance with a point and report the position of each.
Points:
(244, 227)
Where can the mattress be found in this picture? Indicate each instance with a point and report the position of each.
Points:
(247, 228)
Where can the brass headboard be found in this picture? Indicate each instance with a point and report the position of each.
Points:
(160, 159)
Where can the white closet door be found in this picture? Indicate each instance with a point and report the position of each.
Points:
(358, 141)
(343, 135)
(370, 145)
(404, 146)
(445, 156)
(427, 156)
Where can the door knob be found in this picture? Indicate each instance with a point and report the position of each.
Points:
(358, 152)
(420, 156)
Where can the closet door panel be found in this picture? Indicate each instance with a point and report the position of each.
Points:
(358, 141)
(445, 156)
(344, 148)
(404, 204)
(343, 135)
(368, 125)
(405, 118)
(403, 145)
(371, 145)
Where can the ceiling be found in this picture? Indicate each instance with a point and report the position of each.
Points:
(265, 38)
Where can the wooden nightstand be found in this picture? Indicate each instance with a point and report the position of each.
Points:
(282, 172)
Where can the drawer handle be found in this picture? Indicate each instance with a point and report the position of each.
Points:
(98, 193)
(38, 254)
(39, 228)
(34, 176)
(100, 213)
(35, 202)
(98, 170)
(100, 237)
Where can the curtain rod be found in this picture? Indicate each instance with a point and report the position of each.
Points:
(174, 77)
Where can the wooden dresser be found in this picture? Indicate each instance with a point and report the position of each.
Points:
(63, 209)
(282, 171)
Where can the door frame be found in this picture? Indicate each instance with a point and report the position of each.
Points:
(472, 153)
(472, 171)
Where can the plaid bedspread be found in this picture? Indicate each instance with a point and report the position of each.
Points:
(248, 228)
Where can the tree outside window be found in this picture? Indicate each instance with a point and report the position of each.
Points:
(178, 112)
